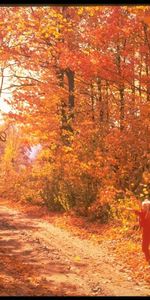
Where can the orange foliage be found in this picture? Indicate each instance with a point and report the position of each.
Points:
(79, 83)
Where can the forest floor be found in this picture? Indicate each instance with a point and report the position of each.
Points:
(64, 255)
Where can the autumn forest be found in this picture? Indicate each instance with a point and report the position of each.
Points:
(76, 84)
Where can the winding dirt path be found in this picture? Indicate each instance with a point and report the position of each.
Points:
(38, 258)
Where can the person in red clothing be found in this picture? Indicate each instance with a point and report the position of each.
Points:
(144, 222)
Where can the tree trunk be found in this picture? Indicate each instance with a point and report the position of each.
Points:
(92, 100)
(101, 108)
(121, 89)
(146, 41)
(70, 76)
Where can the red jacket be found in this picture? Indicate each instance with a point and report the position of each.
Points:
(144, 220)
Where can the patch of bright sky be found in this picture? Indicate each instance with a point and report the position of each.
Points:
(34, 151)
(5, 108)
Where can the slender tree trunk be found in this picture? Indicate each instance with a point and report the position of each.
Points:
(121, 89)
(92, 100)
(133, 99)
(147, 74)
(140, 76)
(146, 41)
(2, 81)
(71, 98)
(70, 75)
(67, 107)
(101, 104)
(107, 102)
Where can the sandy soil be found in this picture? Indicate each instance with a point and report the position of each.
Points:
(39, 258)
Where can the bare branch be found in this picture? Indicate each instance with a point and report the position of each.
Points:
(2, 81)
(27, 77)
(18, 85)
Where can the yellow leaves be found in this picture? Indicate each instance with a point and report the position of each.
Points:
(84, 166)
(9, 152)
(86, 51)
(53, 146)
(51, 26)
(56, 15)
(140, 7)
(136, 9)
(21, 24)
(56, 34)
(94, 61)
(48, 31)
(93, 236)
(67, 149)
(33, 281)
(123, 211)
(45, 154)
(21, 39)
(29, 33)
(146, 177)
(43, 31)
(46, 35)
(80, 11)
(77, 258)
(145, 191)
(70, 30)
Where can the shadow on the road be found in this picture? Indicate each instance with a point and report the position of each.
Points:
(32, 272)
(7, 222)
(22, 277)
(27, 268)
(9, 244)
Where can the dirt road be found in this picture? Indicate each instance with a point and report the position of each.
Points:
(38, 258)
